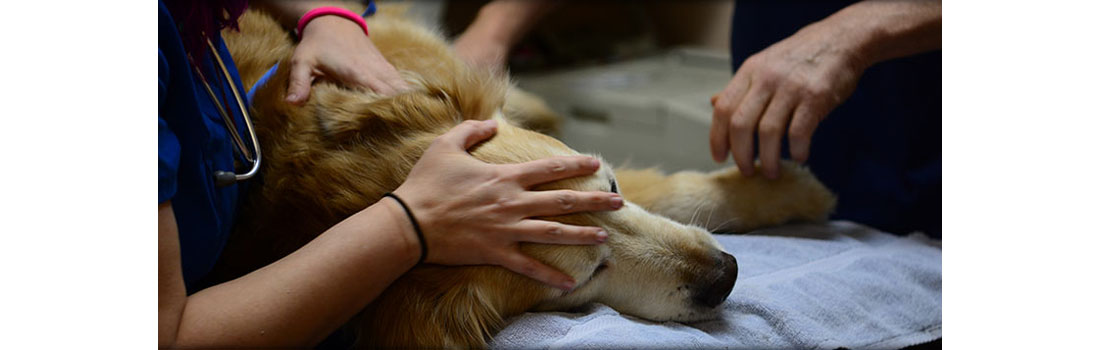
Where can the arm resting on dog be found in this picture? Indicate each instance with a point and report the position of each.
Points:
(299, 299)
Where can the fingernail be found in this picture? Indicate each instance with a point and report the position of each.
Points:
(616, 202)
(595, 163)
(292, 98)
(601, 236)
(567, 286)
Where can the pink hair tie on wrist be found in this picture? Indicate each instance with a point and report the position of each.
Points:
(330, 10)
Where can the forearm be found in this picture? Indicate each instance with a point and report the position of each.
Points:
(287, 12)
(508, 21)
(303, 297)
(878, 30)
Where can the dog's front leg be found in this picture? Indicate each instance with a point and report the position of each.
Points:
(725, 200)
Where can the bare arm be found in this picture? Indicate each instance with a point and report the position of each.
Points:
(881, 30)
(792, 85)
(296, 301)
(499, 26)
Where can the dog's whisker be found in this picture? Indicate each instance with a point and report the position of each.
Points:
(725, 222)
(698, 208)
(710, 214)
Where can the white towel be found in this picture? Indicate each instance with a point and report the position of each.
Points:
(799, 286)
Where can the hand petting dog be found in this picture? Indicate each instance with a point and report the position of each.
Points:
(336, 48)
(477, 213)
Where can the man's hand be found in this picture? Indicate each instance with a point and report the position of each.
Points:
(786, 89)
(792, 85)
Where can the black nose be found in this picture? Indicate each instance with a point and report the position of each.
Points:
(715, 286)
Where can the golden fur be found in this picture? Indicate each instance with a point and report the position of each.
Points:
(341, 151)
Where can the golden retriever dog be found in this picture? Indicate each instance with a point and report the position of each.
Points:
(345, 148)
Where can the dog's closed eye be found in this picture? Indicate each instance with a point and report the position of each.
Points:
(600, 268)
(614, 186)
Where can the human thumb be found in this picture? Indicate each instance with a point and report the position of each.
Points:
(301, 78)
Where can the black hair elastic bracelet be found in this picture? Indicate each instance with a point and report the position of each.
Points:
(416, 226)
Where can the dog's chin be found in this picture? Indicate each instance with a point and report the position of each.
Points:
(693, 314)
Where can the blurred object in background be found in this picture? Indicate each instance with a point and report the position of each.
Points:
(645, 112)
(593, 32)
(632, 79)
(428, 12)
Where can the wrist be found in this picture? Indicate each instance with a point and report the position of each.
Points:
(330, 14)
(420, 208)
(409, 243)
(847, 38)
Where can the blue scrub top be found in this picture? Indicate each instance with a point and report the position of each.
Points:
(880, 150)
(193, 143)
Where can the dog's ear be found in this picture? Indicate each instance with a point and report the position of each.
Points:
(344, 114)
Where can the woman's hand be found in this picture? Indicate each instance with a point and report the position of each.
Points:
(336, 48)
(475, 213)
(787, 88)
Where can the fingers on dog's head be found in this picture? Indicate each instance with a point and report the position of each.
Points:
(552, 169)
(467, 134)
(527, 266)
(550, 232)
(562, 202)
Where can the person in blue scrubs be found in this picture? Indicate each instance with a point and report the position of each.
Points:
(300, 299)
(860, 79)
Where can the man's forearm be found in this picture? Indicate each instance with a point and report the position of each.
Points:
(507, 21)
(880, 30)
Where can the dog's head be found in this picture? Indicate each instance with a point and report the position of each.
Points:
(650, 267)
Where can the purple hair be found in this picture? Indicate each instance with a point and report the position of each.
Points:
(199, 20)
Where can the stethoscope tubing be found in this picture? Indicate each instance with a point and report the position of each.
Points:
(225, 178)
(244, 113)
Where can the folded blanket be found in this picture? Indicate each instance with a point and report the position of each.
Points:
(800, 286)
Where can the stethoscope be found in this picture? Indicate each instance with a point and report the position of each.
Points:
(225, 178)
